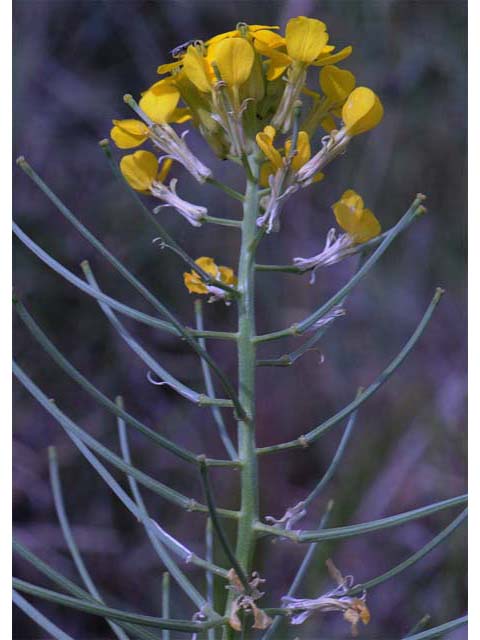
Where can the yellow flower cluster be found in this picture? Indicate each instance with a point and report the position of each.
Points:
(244, 90)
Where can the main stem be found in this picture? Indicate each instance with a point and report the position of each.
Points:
(246, 375)
(246, 381)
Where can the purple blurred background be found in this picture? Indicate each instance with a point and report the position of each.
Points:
(73, 61)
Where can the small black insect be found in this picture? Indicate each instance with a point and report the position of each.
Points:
(179, 51)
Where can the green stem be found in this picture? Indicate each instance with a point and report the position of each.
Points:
(246, 376)
(223, 222)
(365, 527)
(166, 602)
(439, 631)
(228, 190)
(246, 380)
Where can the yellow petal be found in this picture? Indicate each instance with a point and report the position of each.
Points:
(334, 58)
(337, 84)
(345, 217)
(303, 150)
(362, 111)
(261, 27)
(227, 276)
(252, 28)
(129, 133)
(328, 123)
(160, 100)
(139, 169)
(269, 38)
(208, 265)
(198, 69)
(234, 58)
(266, 170)
(222, 36)
(361, 224)
(194, 283)
(305, 38)
(170, 66)
(264, 141)
(368, 227)
(180, 115)
(352, 199)
(164, 170)
(270, 131)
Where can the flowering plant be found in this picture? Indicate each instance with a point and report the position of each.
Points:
(246, 93)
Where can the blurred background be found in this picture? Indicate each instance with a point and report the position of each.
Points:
(73, 61)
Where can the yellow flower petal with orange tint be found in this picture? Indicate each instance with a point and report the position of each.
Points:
(194, 282)
(164, 170)
(129, 133)
(234, 57)
(362, 111)
(139, 169)
(265, 142)
(304, 152)
(227, 276)
(305, 38)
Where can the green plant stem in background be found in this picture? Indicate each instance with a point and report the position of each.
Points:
(420, 625)
(166, 602)
(162, 373)
(165, 236)
(299, 576)
(209, 578)
(421, 553)
(71, 428)
(70, 540)
(70, 587)
(210, 389)
(304, 440)
(365, 527)
(116, 614)
(42, 621)
(438, 632)
(178, 575)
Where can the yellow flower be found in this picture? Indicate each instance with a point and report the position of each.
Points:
(195, 284)
(305, 38)
(129, 133)
(141, 169)
(359, 223)
(362, 111)
(233, 56)
(276, 161)
(305, 42)
(265, 140)
(337, 84)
